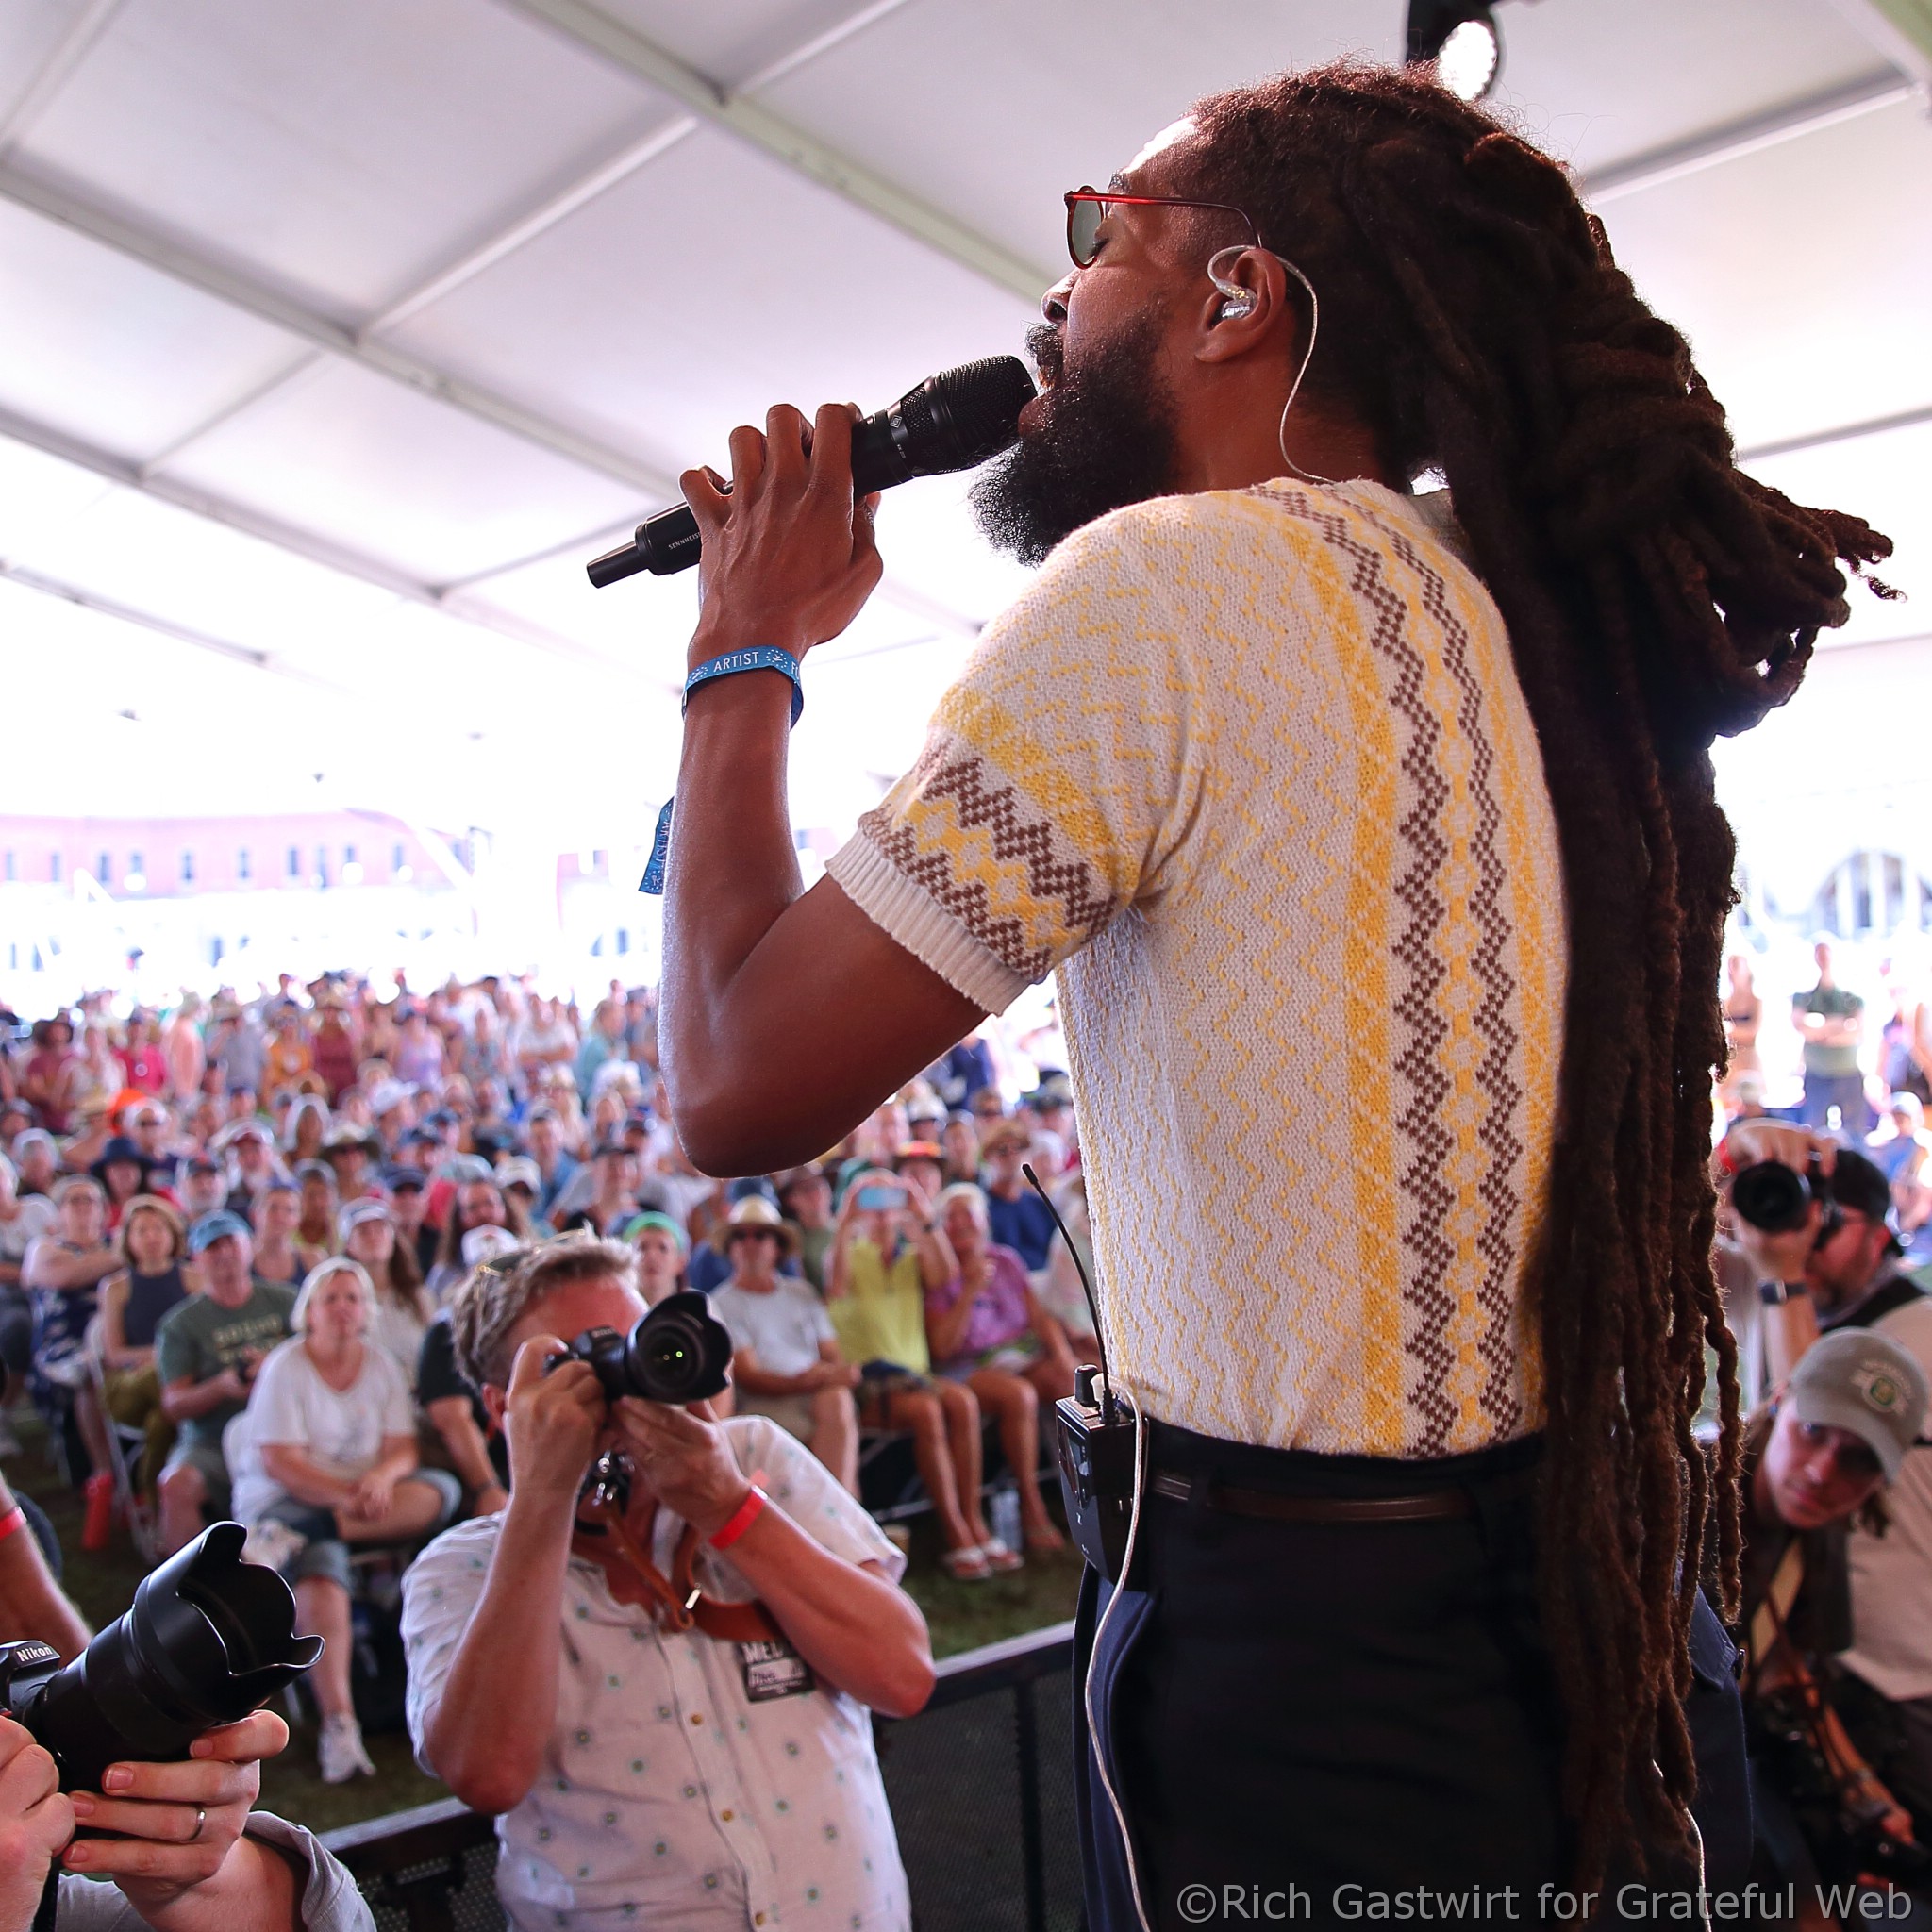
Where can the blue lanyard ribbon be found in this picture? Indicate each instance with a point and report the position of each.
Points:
(754, 657)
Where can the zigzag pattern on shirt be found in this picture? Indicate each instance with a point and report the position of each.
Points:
(1501, 1093)
(981, 803)
(1428, 1195)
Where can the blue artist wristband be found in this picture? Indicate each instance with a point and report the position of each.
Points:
(753, 657)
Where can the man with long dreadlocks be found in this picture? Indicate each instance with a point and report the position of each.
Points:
(1271, 740)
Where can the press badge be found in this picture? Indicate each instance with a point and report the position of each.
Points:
(773, 1670)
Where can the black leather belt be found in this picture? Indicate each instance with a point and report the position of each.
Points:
(1433, 1505)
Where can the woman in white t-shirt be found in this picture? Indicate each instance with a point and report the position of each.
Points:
(327, 1457)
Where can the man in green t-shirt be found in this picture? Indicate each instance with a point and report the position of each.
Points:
(1831, 1021)
(208, 1349)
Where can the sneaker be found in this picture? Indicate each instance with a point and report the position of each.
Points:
(339, 1750)
(274, 1544)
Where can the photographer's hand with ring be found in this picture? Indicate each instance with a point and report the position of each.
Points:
(179, 1823)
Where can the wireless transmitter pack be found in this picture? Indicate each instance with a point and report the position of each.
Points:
(1093, 1446)
(1094, 1449)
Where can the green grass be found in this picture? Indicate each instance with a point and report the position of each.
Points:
(962, 1616)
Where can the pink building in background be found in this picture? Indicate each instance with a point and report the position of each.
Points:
(179, 857)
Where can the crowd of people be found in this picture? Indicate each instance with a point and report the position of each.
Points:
(239, 1232)
(277, 1260)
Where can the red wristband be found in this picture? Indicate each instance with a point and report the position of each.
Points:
(1723, 1159)
(14, 1519)
(744, 1516)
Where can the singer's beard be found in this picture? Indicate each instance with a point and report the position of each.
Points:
(1105, 438)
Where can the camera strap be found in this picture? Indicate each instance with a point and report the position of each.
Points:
(677, 1601)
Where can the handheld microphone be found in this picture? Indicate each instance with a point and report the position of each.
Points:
(951, 421)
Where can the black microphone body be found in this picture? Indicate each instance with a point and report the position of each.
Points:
(953, 421)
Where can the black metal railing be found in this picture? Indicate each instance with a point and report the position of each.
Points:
(981, 1784)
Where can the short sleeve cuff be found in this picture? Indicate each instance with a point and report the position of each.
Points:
(910, 914)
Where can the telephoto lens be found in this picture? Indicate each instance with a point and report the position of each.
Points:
(1774, 1198)
(208, 1639)
(679, 1353)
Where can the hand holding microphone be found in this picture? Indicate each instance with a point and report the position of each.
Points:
(788, 547)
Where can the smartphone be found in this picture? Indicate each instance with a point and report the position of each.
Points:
(880, 1199)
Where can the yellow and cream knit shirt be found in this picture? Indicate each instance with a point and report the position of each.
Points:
(1253, 772)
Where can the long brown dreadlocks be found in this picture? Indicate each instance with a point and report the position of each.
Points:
(1473, 316)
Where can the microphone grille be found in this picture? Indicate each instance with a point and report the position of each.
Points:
(962, 416)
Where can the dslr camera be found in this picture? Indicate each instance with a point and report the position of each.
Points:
(208, 1639)
(679, 1353)
(1776, 1199)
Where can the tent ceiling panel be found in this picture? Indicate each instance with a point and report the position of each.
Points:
(378, 467)
(1597, 85)
(991, 118)
(1802, 274)
(147, 555)
(31, 31)
(732, 41)
(646, 620)
(39, 496)
(343, 152)
(104, 348)
(702, 289)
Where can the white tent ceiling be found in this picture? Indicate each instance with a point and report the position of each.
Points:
(336, 334)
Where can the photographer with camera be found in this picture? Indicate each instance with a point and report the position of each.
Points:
(594, 1668)
(1830, 1261)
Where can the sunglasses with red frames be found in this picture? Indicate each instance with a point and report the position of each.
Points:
(1087, 207)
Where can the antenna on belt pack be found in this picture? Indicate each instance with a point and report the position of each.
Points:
(1094, 1438)
(1079, 1269)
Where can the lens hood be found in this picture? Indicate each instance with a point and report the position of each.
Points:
(679, 1353)
(208, 1639)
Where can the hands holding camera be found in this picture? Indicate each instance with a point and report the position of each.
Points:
(556, 1415)
(1779, 1255)
(176, 1824)
(559, 1418)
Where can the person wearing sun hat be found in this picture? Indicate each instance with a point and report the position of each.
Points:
(785, 1358)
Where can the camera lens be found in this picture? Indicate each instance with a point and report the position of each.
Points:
(679, 1353)
(208, 1639)
(1772, 1197)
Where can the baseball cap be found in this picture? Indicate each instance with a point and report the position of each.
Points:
(214, 1227)
(1860, 1380)
(400, 1178)
(519, 1171)
(638, 1222)
(483, 1244)
(357, 1213)
(1861, 1184)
